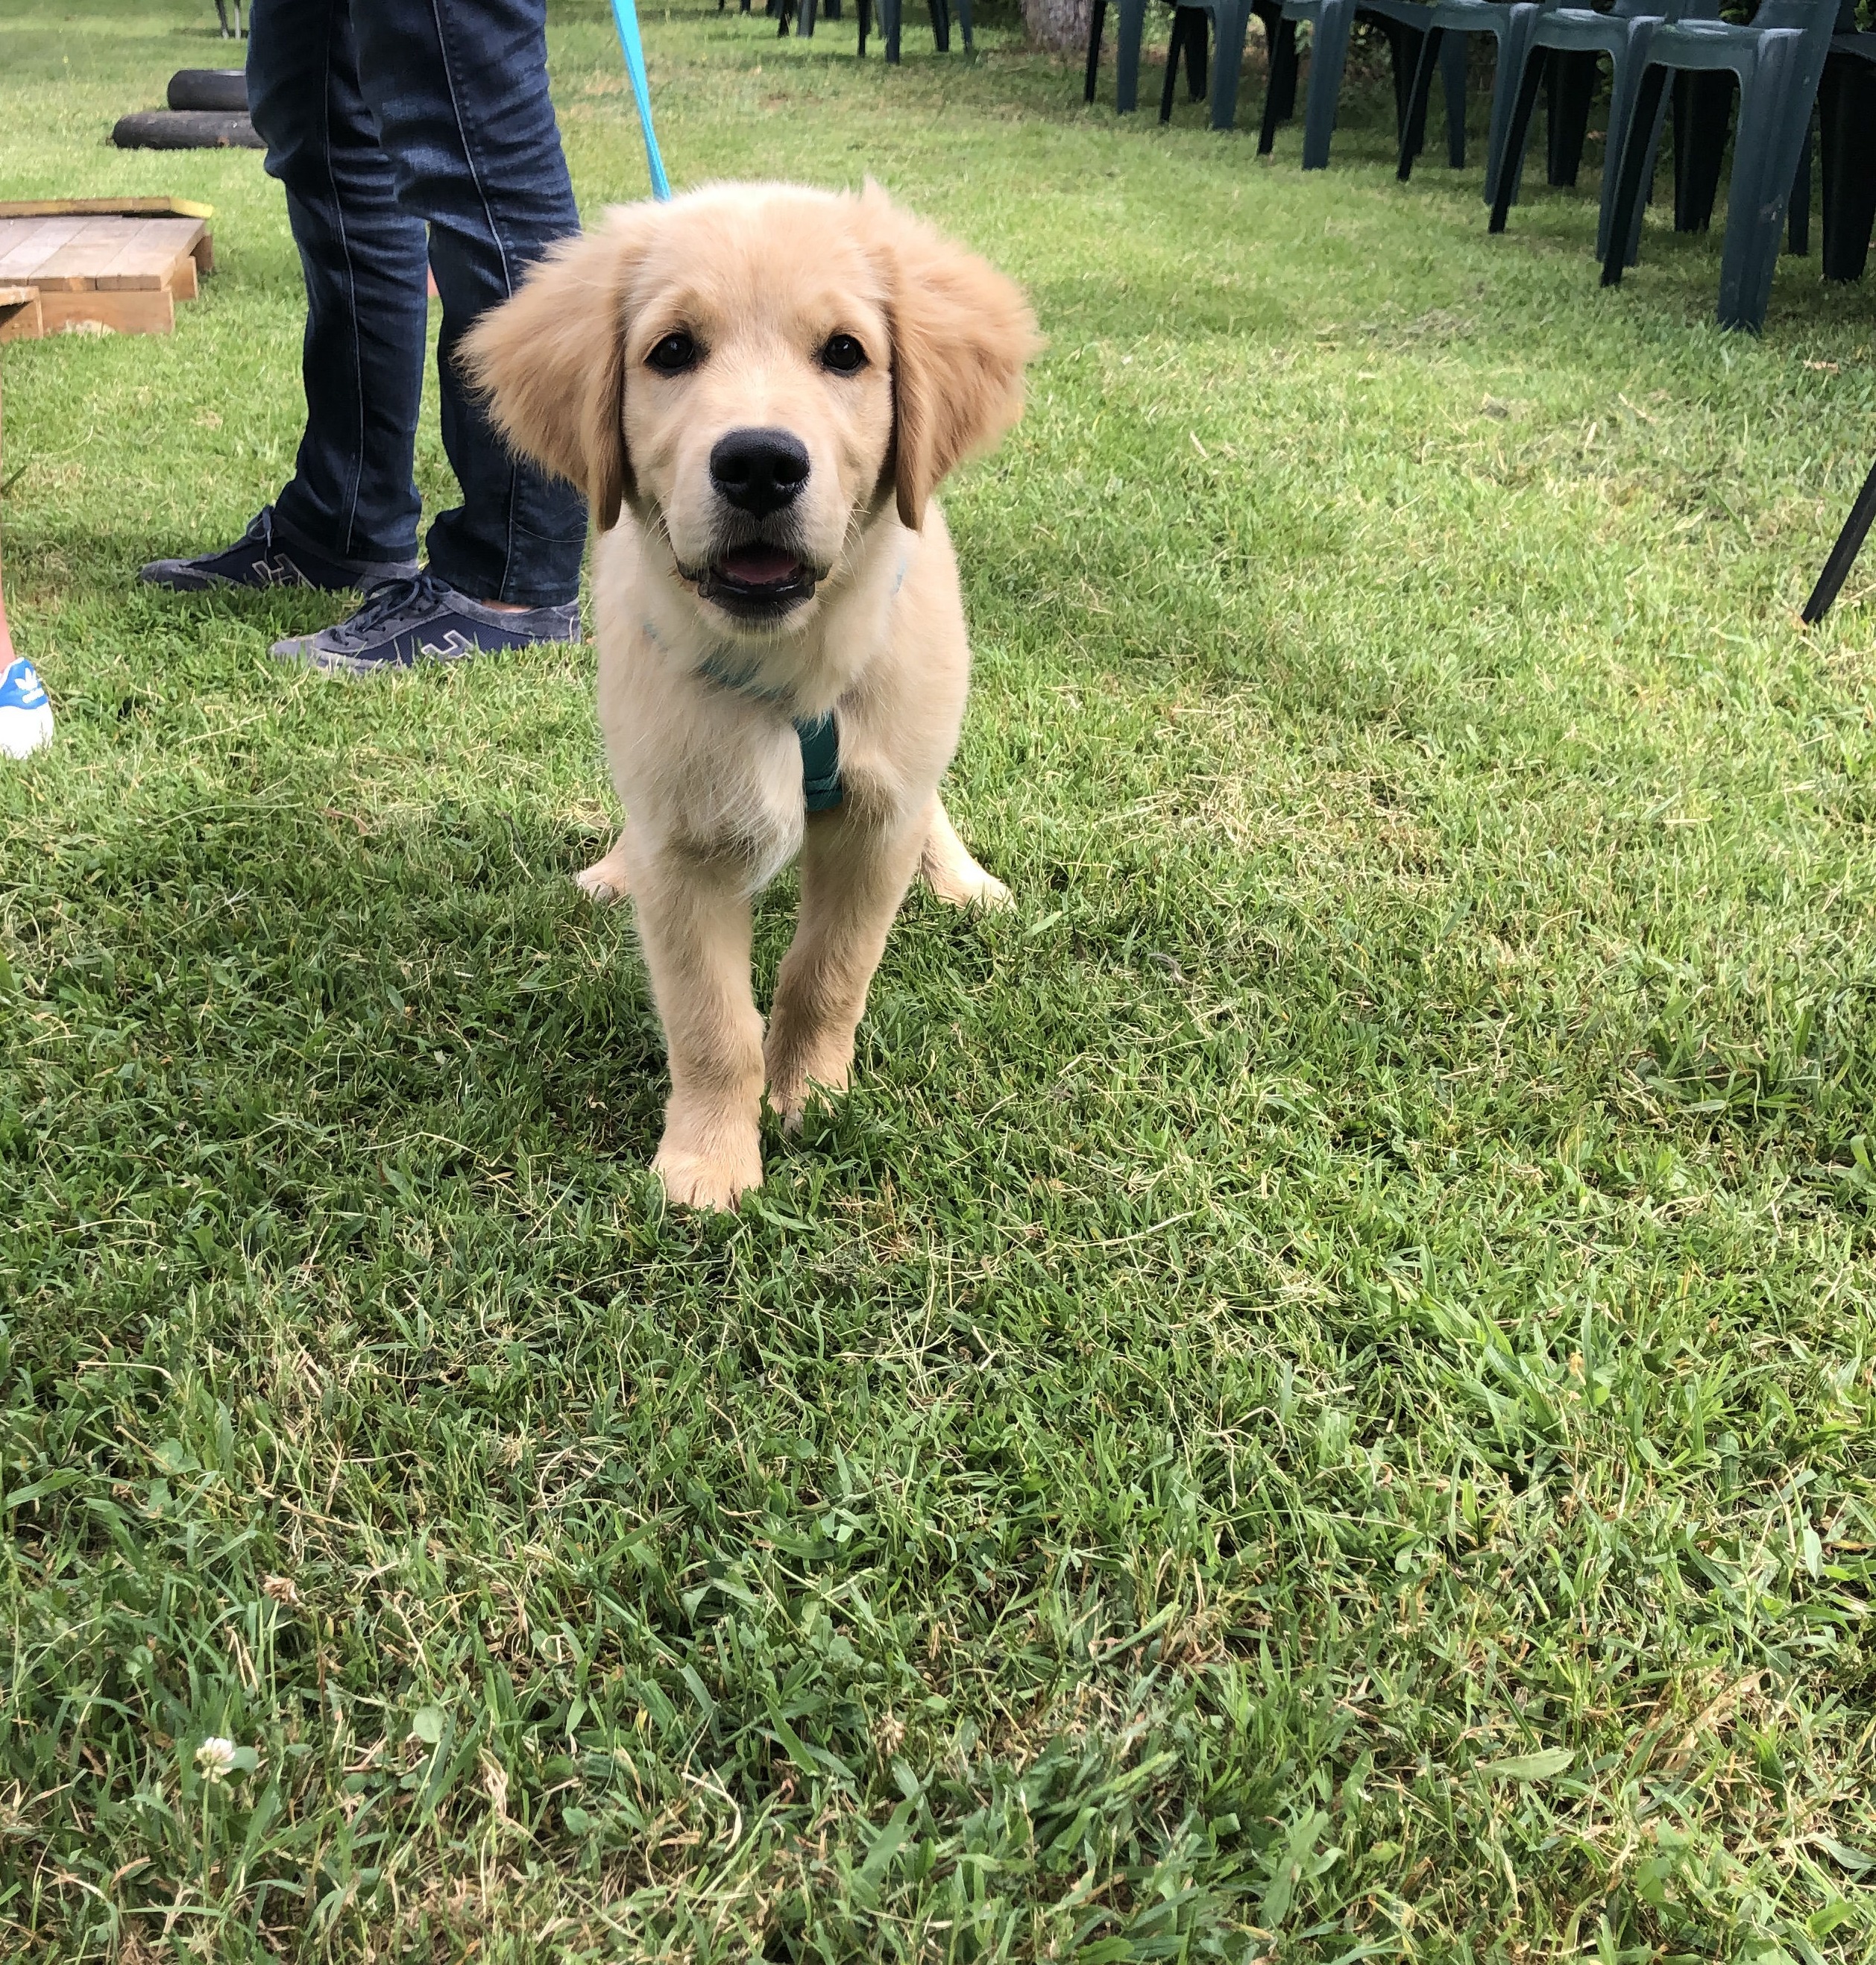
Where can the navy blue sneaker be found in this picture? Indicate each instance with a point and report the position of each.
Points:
(423, 620)
(266, 556)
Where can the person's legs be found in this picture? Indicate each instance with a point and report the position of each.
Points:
(352, 494)
(459, 91)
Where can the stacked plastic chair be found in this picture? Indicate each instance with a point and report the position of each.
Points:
(1404, 23)
(1229, 20)
(1564, 50)
(1778, 59)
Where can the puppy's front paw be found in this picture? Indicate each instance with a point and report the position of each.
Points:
(953, 875)
(717, 1180)
(796, 1074)
(984, 890)
(604, 882)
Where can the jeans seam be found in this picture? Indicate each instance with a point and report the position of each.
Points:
(501, 247)
(351, 292)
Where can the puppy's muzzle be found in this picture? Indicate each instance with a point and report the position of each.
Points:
(759, 473)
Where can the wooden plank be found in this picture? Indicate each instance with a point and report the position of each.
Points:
(76, 263)
(81, 207)
(29, 248)
(148, 258)
(17, 236)
(181, 281)
(127, 313)
(21, 318)
(205, 254)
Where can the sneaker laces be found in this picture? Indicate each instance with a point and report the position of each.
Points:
(393, 597)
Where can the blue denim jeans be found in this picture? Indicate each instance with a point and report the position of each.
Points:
(385, 120)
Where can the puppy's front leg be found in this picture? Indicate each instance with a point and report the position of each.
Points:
(693, 919)
(853, 877)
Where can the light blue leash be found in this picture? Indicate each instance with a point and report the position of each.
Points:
(625, 13)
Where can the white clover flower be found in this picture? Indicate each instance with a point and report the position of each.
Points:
(215, 1758)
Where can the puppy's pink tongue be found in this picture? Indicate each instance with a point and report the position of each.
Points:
(760, 565)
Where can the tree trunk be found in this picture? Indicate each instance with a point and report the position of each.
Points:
(1060, 25)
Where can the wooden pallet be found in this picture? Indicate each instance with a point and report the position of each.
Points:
(121, 263)
(20, 316)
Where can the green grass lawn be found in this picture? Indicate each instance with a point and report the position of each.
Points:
(1315, 1402)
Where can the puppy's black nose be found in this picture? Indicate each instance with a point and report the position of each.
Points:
(759, 470)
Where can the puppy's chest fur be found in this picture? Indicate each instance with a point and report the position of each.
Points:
(700, 730)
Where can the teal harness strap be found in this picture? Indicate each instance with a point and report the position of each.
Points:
(738, 682)
(819, 736)
(820, 762)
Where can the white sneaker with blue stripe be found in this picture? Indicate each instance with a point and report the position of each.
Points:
(25, 714)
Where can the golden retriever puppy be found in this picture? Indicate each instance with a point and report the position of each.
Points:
(759, 387)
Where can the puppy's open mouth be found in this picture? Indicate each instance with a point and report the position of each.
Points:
(757, 579)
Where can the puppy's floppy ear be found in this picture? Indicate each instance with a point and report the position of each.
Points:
(961, 334)
(551, 362)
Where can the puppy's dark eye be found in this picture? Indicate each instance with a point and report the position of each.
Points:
(674, 354)
(844, 355)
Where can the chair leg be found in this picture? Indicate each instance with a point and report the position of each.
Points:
(1573, 79)
(1798, 220)
(1231, 19)
(1413, 132)
(1630, 67)
(1283, 81)
(1181, 27)
(1846, 108)
(1129, 25)
(1453, 52)
(1403, 63)
(940, 25)
(1271, 14)
(964, 23)
(1775, 125)
(804, 23)
(890, 11)
(1196, 72)
(1097, 20)
(1514, 40)
(1703, 107)
(1517, 135)
(1327, 60)
(1637, 167)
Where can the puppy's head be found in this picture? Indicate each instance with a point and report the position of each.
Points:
(759, 372)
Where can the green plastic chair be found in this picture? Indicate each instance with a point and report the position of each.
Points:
(1448, 22)
(890, 12)
(1564, 49)
(1779, 60)
(1230, 20)
(1404, 22)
